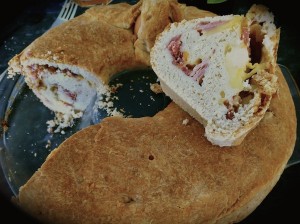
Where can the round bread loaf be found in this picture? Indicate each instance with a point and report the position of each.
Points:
(161, 170)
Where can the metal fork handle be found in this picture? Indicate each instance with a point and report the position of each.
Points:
(67, 12)
(7, 86)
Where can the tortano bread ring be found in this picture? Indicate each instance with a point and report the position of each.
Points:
(159, 169)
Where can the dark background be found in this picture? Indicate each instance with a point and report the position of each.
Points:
(282, 204)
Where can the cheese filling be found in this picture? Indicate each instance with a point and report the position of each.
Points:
(236, 61)
(60, 90)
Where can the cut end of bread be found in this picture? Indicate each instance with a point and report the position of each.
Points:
(67, 90)
(221, 70)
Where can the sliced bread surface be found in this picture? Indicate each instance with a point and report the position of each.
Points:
(221, 70)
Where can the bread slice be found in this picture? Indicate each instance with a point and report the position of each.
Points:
(159, 170)
(220, 70)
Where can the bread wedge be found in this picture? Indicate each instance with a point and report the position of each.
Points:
(221, 70)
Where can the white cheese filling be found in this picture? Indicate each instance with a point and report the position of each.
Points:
(60, 90)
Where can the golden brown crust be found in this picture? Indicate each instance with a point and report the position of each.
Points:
(155, 16)
(67, 168)
(89, 3)
(101, 41)
(85, 46)
(160, 171)
(182, 11)
(122, 15)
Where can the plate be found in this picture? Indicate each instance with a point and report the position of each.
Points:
(26, 143)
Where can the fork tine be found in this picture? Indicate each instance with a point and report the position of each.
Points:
(74, 10)
(67, 12)
(64, 9)
(71, 12)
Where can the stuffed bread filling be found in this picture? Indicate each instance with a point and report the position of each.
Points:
(60, 90)
(242, 59)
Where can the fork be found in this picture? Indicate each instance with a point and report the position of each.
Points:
(7, 86)
(67, 12)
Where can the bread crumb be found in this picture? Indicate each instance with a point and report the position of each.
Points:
(185, 121)
(48, 144)
(62, 121)
(116, 113)
(105, 100)
(115, 88)
(156, 88)
(110, 104)
(151, 97)
(4, 125)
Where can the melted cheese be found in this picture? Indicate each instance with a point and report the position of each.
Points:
(235, 22)
(236, 61)
(185, 56)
